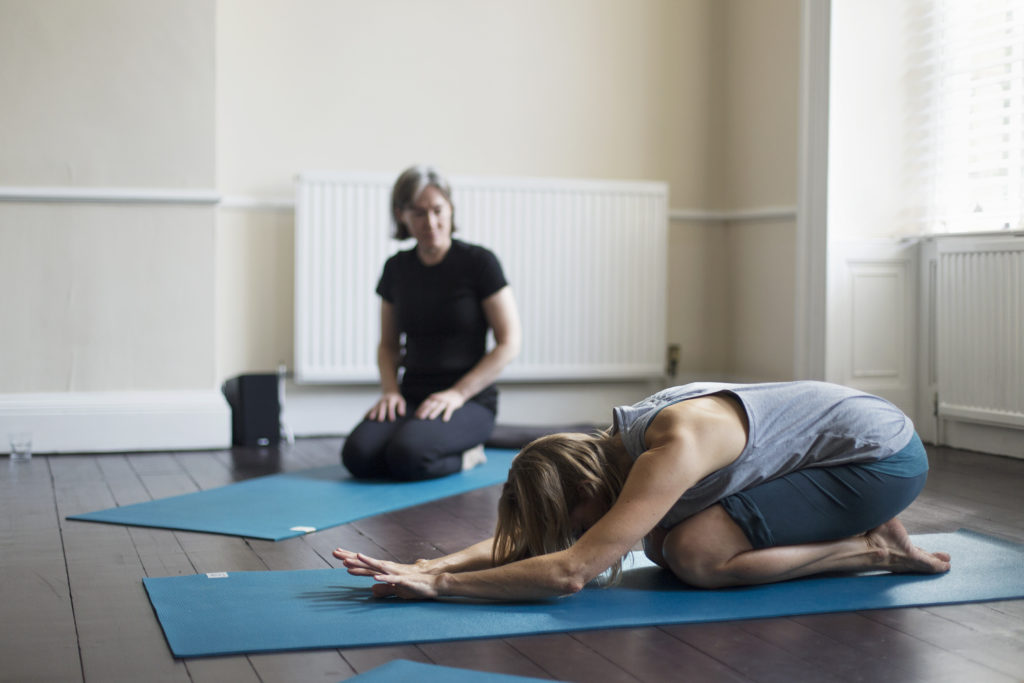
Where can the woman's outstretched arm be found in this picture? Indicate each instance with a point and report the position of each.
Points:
(652, 487)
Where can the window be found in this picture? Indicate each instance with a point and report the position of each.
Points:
(966, 82)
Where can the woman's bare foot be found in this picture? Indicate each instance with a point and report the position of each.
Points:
(473, 457)
(899, 555)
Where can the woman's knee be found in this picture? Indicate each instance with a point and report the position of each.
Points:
(362, 452)
(410, 459)
(699, 549)
(405, 464)
(690, 562)
(360, 463)
(429, 448)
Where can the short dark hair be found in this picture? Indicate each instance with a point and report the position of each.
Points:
(408, 187)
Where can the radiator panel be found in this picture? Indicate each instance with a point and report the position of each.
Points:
(980, 330)
(586, 260)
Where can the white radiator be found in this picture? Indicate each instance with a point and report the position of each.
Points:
(585, 259)
(980, 330)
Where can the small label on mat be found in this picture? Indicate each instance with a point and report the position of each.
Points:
(304, 529)
(216, 575)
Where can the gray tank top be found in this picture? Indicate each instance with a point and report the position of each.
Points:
(793, 425)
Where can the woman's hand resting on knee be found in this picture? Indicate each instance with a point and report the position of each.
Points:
(441, 404)
(388, 408)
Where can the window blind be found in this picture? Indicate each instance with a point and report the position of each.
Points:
(966, 82)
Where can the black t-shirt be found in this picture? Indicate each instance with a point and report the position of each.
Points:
(439, 308)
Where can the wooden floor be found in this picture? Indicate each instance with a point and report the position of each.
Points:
(73, 608)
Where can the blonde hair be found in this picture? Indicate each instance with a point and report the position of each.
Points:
(548, 478)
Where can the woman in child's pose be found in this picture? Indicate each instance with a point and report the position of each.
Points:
(725, 484)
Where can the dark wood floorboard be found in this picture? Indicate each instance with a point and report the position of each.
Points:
(74, 608)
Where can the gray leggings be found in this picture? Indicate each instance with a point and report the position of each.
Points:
(821, 504)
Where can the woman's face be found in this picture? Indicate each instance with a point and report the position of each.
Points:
(585, 515)
(429, 220)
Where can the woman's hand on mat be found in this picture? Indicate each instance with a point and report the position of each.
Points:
(406, 586)
(388, 408)
(442, 404)
(396, 580)
(363, 565)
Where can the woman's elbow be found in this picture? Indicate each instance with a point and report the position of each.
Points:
(513, 347)
(571, 579)
(573, 585)
(508, 346)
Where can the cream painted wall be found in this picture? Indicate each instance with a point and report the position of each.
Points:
(255, 290)
(569, 88)
(699, 93)
(107, 93)
(108, 296)
(762, 270)
(700, 298)
(236, 97)
(759, 111)
(759, 144)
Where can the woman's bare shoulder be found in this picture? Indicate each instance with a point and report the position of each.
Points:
(688, 414)
(714, 426)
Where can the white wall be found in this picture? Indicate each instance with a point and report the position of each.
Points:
(881, 305)
(870, 144)
(872, 288)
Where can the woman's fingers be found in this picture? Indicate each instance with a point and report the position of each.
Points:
(357, 564)
(393, 579)
(388, 407)
(383, 590)
(343, 554)
(425, 409)
(396, 408)
(442, 404)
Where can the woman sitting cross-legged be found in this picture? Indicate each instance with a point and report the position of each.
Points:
(725, 484)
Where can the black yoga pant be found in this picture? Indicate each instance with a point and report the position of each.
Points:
(410, 448)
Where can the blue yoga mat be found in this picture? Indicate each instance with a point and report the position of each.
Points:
(282, 506)
(249, 612)
(403, 671)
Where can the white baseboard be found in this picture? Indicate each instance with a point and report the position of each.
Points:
(101, 422)
(984, 438)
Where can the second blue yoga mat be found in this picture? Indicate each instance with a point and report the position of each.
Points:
(249, 612)
(282, 506)
(403, 671)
